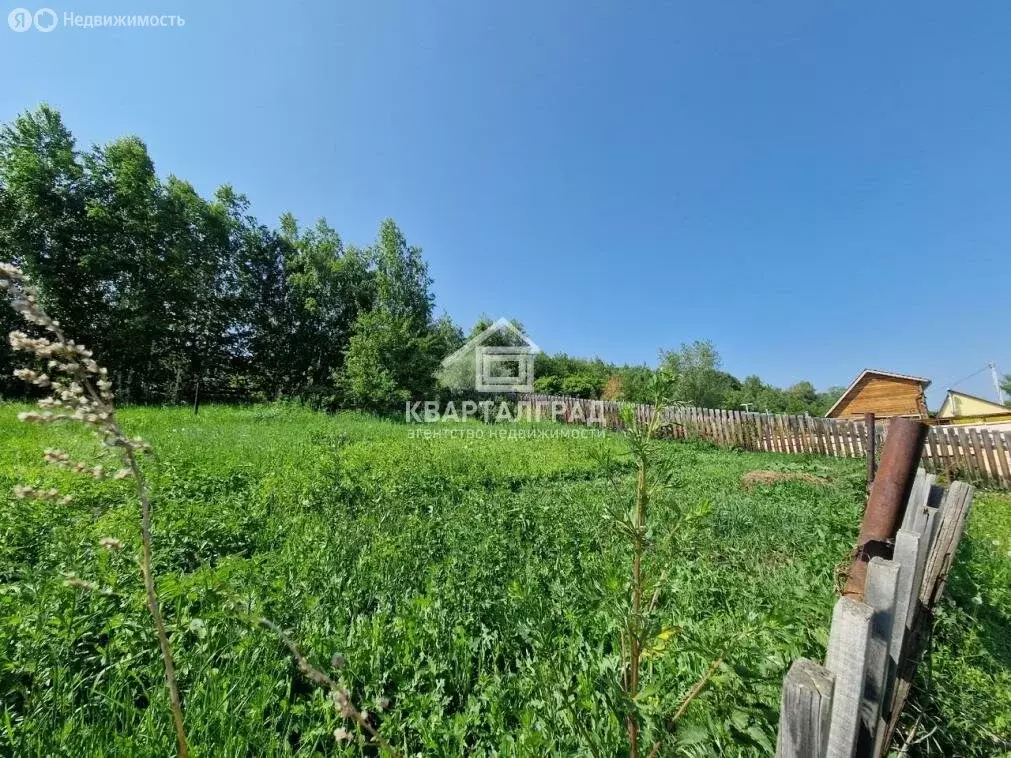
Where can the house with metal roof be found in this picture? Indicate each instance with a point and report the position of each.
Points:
(962, 408)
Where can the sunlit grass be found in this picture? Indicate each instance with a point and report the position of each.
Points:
(470, 581)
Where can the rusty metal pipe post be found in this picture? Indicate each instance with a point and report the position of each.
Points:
(887, 500)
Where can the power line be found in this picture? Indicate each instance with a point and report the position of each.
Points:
(965, 378)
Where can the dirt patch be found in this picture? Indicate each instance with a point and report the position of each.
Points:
(763, 478)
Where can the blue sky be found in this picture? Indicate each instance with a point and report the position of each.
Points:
(815, 187)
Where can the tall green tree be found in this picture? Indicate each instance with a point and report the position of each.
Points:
(203, 264)
(266, 356)
(403, 286)
(45, 225)
(137, 271)
(447, 335)
(331, 287)
(460, 374)
(396, 347)
(701, 382)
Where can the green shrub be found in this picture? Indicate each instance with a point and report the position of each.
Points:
(387, 363)
(581, 385)
(548, 385)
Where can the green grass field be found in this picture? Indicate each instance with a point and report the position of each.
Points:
(475, 583)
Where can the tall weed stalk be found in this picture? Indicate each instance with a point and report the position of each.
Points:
(640, 626)
(80, 392)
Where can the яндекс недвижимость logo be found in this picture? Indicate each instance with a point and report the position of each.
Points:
(22, 20)
(46, 19)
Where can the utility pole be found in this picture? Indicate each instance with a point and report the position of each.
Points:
(996, 382)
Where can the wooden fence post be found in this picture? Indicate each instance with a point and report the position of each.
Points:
(879, 594)
(950, 523)
(871, 462)
(908, 552)
(918, 497)
(805, 711)
(1002, 461)
(956, 506)
(846, 659)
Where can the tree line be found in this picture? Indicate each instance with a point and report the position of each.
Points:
(180, 294)
(186, 297)
(702, 382)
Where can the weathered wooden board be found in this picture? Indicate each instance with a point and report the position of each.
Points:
(880, 594)
(846, 658)
(1003, 462)
(805, 711)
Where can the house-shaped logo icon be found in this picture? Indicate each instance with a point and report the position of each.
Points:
(499, 359)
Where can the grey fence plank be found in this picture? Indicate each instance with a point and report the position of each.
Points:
(972, 462)
(845, 428)
(828, 432)
(784, 430)
(805, 711)
(977, 446)
(880, 594)
(862, 432)
(950, 523)
(809, 435)
(847, 659)
(822, 433)
(945, 461)
(931, 454)
(918, 497)
(793, 433)
(961, 464)
(953, 513)
(907, 593)
(991, 459)
(801, 432)
(1002, 459)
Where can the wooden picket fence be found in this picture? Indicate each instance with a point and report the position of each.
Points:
(975, 454)
(850, 706)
